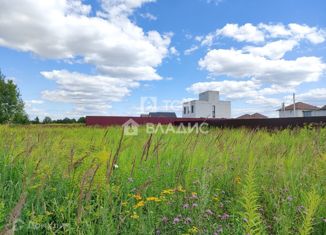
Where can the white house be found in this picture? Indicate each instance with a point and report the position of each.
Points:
(301, 109)
(209, 105)
(319, 112)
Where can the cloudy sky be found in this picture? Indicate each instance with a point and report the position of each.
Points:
(96, 57)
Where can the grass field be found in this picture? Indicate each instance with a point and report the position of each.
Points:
(78, 180)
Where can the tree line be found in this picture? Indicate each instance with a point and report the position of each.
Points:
(12, 106)
(48, 120)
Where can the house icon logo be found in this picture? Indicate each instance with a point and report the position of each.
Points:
(130, 127)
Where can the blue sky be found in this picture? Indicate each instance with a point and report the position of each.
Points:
(102, 57)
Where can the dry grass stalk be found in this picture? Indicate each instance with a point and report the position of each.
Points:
(14, 215)
(88, 177)
(133, 166)
(146, 148)
(142, 187)
(109, 168)
(72, 154)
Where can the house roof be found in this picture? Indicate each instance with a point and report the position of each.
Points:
(252, 116)
(258, 115)
(301, 106)
(162, 114)
(323, 108)
(245, 116)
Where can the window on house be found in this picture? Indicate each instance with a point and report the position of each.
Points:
(184, 110)
(192, 109)
(307, 113)
(213, 111)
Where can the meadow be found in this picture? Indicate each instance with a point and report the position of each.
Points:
(80, 180)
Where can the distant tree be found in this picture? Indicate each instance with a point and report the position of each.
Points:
(81, 120)
(66, 120)
(11, 104)
(47, 120)
(36, 120)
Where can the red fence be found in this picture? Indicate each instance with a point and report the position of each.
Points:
(228, 123)
(118, 121)
(270, 123)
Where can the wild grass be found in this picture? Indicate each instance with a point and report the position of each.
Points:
(79, 180)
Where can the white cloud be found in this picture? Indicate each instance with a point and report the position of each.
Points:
(191, 50)
(250, 91)
(174, 51)
(233, 90)
(312, 34)
(275, 30)
(27, 102)
(117, 8)
(277, 89)
(294, 31)
(264, 101)
(199, 38)
(260, 33)
(244, 33)
(226, 87)
(119, 49)
(235, 63)
(272, 50)
(148, 16)
(89, 93)
(208, 39)
(216, 2)
(264, 72)
(317, 94)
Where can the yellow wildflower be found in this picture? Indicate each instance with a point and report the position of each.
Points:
(193, 230)
(48, 213)
(215, 198)
(168, 191)
(139, 204)
(180, 189)
(115, 189)
(36, 186)
(124, 203)
(155, 199)
(134, 216)
(162, 198)
(237, 180)
(137, 197)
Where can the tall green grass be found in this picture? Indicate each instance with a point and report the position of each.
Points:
(79, 180)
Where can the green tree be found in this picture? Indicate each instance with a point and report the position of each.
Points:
(81, 120)
(11, 104)
(36, 120)
(47, 120)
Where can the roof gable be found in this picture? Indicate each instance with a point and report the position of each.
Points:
(162, 114)
(252, 116)
(300, 106)
(323, 108)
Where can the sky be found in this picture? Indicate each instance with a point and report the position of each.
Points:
(72, 58)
